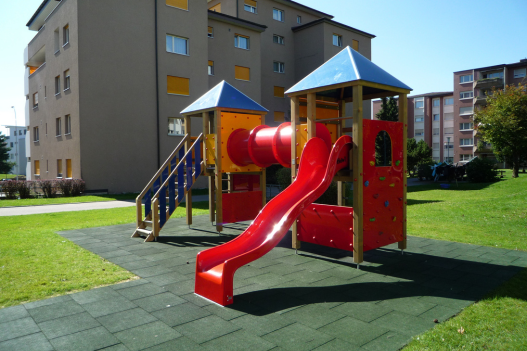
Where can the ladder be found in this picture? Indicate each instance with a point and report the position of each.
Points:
(168, 188)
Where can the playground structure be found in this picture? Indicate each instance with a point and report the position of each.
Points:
(236, 143)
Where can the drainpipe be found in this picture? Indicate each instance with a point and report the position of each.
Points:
(236, 8)
(157, 89)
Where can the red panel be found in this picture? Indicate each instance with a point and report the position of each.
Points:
(239, 207)
(383, 187)
(327, 225)
(245, 182)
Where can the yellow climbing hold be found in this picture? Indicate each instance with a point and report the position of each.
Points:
(392, 185)
(372, 163)
(394, 218)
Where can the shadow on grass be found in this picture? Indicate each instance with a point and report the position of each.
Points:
(420, 202)
(460, 186)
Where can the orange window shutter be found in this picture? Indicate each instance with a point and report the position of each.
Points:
(279, 91)
(68, 168)
(216, 8)
(178, 85)
(180, 4)
(279, 116)
(250, 3)
(355, 45)
(211, 63)
(59, 166)
(210, 30)
(37, 167)
(242, 73)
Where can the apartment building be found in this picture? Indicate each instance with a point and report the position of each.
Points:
(16, 140)
(106, 80)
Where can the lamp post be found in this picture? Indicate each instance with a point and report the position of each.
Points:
(16, 143)
(448, 148)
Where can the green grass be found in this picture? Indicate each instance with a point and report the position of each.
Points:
(36, 263)
(9, 176)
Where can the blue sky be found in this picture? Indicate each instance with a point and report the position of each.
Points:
(419, 42)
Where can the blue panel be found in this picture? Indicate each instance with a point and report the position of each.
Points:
(148, 202)
(172, 194)
(173, 163)
(224, 95)
(197, 157)
(157, 184)
(164, 175)
(181, 177)
(347, 66)
(188, 164)
(163, 207)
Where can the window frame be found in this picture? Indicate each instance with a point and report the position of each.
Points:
(35, 100)
(419, 102)
(65, 35)
(462, 143)
(57, 85)
(36, 135)
(462, 126)
(187, 46)
(280, 64)
(434, 101)
(211, 33)
(67, 125)
(279, 37)
(339, 40)
(237, 41)
(251, 7)
(465, 113)
(419, 132)
(59, 169)
(422, 119)
(210, 68)
(67, 80)
(58, 127)
(466, 95)
(448, 100)
(434, 131)
(281, 12)
(468, 81)
(182, 126)
(519, 75)
(434, 117)
(299, 19)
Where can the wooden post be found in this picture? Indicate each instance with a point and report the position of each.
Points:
(230, 183)
(188, 196)
(218, 171)
(206, 130)
(340, 126)
(358, 203)
(403, 117)
(311, 115)
(295, 121)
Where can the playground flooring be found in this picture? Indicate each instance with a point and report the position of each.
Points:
(316, 299)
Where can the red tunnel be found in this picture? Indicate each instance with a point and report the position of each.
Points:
(264, 146)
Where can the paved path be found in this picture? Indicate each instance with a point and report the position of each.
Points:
(314, 300)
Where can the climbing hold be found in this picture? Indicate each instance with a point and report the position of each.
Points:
(375, 196)
(381, 233)
(366, 183)
(372, 163)
(372, 219)
(386, 203)
(394, 218)
(397, 162)
(392, 185)
(382, 178)
(400, 199)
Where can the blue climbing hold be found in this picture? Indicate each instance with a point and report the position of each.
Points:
(366, 183)
(386, 204)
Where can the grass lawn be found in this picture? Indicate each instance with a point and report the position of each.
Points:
(484, 214)
(77, 199)
(9, 176)
(36, 263)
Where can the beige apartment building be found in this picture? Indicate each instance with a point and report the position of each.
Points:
(106, 80)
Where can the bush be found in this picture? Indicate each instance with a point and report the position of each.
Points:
(283, 177)
(10, 189)
(49, 188)
(481, 170)
(271, 171)
(24, 189)
(424, 170)
(77, 187)
(65, 186)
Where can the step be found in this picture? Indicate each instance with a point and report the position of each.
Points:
(148, 223)
(144, 231)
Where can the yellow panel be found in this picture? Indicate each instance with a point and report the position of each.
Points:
(279, 116)
(209, 149)
(250, 3)
(210, 30)
(216, 8)
(279, 91)
(242, 73)
(229, 123)
(59, 166)
(68, 168)
(178, 85)
(180, 4)
(322, 113)
(211, 63)
(355, 45)
(333, 131)
(37, 167)
(301, 140)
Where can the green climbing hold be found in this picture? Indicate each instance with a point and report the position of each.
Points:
(372, 219)
(397, 163)
(382, 178)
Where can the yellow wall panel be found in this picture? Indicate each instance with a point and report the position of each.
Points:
(279, 91)
(180, 4)
(216, 8)
(178, 85)
(242, 73)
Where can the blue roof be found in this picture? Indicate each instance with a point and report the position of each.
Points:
(347, 66)
(226, 96)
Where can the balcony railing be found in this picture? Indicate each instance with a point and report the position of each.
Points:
(488, 83)
(480, 100)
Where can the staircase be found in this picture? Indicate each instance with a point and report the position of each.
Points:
(168, 187)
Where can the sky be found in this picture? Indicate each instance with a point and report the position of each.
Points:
(420, 42)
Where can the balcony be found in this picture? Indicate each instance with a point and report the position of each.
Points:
(480, 100)
(489, 83)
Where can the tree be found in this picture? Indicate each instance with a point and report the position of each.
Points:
(411, 160)
(389, 110)
(503, 123)
(417, 153)
(5, 165)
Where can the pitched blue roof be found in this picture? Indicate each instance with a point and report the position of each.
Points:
(347, 66)
(226, 96)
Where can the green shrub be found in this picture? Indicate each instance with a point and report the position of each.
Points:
(49, 188)
(77, 187)
(10, 189)
(24, 189)
(424, 170)
(270, 173)
(481, 170)
(65, 187)
(283, 177)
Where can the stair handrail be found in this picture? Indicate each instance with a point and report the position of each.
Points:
(139, 198)
(182, 160)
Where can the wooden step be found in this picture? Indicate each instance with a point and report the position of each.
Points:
(148, 223)
(144, 231)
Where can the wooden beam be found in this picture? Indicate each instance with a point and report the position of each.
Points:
(384, 87)
(403, 117)
(218, 171)
(206, 130)
(188, 196)
(358, 203)
(295, 116)
(340, 126)
(311, 116)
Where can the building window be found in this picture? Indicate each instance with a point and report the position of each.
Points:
(277, 39)
(337, 40)
(178, 85)
(250, 6)
(66, 79)
(210, 33)
(448, 159)
(176, 126)
(435, 131)
(211, 68)
(180, 4)
(466, 78)
(419, 132)
(242, 73)
(419, 104)
(177, 45)
(279, 116)
(57, 85)
(68, 168)
(59, 168)
(465, 110)
(419, 119)
(448, 131)
(435, 146)
(466, 95)
(493, 75)
(216, 8)
(37, 167)
(278, 15)
(66, 34)
(35, 100)
(520, 72)
(35, 134)
(448, 116)
(56, 40)
(299, 19)
(466, 126)
(279, 92)
(435, 102)
(11, 145)
(436, 117)
(466, 142)
(449, 145)
(67, 120)
(241, 41)
(465, 157)
(449, 101)
(278, 67)
(58, 127)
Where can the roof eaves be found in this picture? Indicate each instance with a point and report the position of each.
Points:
(304, 8)
(237, 21)
(335, 23)
(37, 12)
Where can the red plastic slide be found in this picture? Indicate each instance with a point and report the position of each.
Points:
(215, 267)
